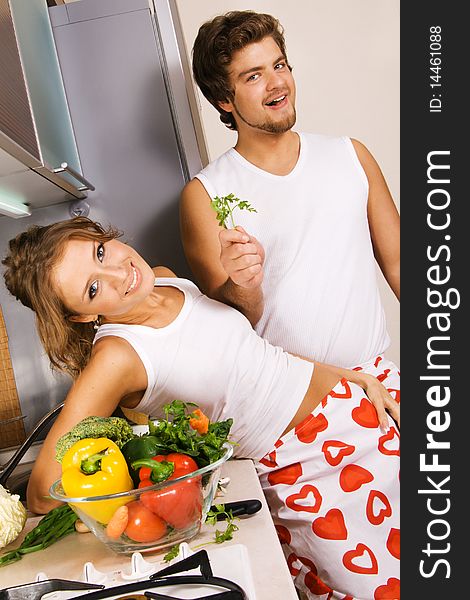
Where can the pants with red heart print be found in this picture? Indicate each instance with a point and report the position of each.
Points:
(332, 485)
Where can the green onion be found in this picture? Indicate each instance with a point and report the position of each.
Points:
(56, 524)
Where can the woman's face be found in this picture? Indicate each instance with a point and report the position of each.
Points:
(108, 279)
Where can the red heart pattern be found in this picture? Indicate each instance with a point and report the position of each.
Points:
(390, 591)
(283, 534)
(331, 526)
(353, 476)
(269, 460)
(378, 507)
(395, 394)
(311, 497)
(389, 443)
(340, 450)
(310, 427)
(311, 580)
(383, 375)
(365, 560)
(294, 564)
(393, 543)
(287, 475)
(365, 414)
(346, 393)
(316, 585)
(342, 454)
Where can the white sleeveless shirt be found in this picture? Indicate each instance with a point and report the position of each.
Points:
(211, 355)
(320, 289)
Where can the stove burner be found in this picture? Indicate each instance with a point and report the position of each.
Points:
(168, 577)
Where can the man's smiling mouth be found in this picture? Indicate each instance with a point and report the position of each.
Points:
(276, 101)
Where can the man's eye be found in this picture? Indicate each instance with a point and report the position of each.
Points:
(100, 252)
(253, 77)
(280, 65)
(93, 290)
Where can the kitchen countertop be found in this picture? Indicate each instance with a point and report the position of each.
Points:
(65, 559)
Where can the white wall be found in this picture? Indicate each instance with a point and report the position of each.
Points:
(346, 64)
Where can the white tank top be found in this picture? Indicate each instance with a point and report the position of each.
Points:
(320, 288)
(211, 355)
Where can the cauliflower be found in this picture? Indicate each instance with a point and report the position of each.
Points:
(115, 429)
(12, 517)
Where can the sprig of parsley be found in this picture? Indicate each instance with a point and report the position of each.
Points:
(219, 537)
(225, 206)
(212, 519)
(172, 553)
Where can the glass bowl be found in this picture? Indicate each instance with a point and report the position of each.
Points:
(158, 516)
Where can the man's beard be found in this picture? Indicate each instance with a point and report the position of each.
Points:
(270, 126)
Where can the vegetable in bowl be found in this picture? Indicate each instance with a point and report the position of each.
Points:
(116, 429)
(175, 467)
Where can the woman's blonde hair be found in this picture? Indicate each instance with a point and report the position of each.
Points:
(29, 266)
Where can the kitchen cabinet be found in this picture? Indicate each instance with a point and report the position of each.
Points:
(270, 575)
(36, 133)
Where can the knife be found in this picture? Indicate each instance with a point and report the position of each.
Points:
(242, 507)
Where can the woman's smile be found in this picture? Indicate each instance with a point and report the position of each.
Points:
(134, 280)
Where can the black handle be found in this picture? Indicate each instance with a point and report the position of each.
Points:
(242, 507)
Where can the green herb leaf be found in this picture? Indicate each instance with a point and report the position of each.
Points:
(225, 206)
(211, 519)
(175, 434)
(172, 553)
(224, 536)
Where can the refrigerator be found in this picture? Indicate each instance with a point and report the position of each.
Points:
(126, 80)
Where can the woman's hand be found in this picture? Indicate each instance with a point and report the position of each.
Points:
(376, 392)
(379, 396)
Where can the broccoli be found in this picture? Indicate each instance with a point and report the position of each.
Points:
(115, 429)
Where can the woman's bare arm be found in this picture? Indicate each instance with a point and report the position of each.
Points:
(114, 371)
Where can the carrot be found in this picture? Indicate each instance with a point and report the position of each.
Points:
(199, 422)
(118, 523)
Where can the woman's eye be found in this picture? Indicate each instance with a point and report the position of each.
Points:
(93, 290)
(100, 252)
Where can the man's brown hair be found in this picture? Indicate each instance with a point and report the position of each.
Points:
(215, 44)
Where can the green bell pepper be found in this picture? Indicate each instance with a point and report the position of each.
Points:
(144, 446)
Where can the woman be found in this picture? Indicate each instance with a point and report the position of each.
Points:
(138, 337)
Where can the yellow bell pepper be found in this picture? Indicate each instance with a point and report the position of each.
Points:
(96, 467)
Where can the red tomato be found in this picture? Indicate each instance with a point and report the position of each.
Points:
(143, 524)
(179, 505)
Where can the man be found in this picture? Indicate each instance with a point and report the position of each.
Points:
(323, 212)
(323, 209)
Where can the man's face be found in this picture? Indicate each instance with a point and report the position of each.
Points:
(264, 89)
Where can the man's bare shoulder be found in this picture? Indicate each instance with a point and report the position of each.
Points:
(194, 191)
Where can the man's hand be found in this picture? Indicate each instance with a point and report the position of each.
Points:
(242, 257)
